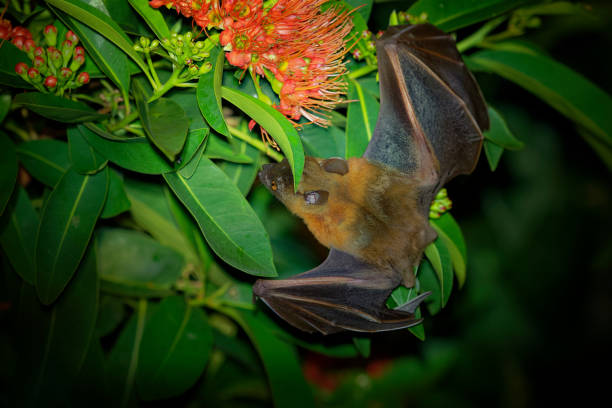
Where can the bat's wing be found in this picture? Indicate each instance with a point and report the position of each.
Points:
(432, 112)
(343, 293)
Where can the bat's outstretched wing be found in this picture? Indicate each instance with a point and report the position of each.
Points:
(343, 293)
(432, 112)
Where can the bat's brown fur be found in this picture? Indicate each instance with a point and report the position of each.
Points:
(371, 211)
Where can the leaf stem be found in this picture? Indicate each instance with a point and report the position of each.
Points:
(358, 73)
(123, 123)
(479, 35)
(157, 83)
(258, 144)
(170, 83)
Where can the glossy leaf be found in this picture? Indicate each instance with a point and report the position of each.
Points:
(84, 158)
(66, 224)
(493, 152)
(277, 125)
(399, 297)
(449, 232)
(151, 210)
(499, 133)
(100, 22)
(209, 93)
(153, 17)
(365, 7)
(111, 313)
(133, 264)
(563, 89)
(192, 164)
(122, 362)
(116, 198)
(176, 344)
(111, 60)
(164, 122)
(127, 18)
(54, 341)
(5, 105)
(218, 149)
(363, 345)
(323, 142)
(18, 228)
(243, 175)
(440, 259)
(57, 108)
(229, 224)
(361, 120)
(46, 160)
(452, 15)
(289, 389)
(139, 154)
(8, 169)
(429, 282)
(11, 56)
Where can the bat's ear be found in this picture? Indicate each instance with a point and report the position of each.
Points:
(335, 165)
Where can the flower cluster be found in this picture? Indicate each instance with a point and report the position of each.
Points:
(440, 205)
(295, 44)
(17, 35)
(54, 69)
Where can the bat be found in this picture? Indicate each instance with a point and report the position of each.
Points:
(372, 211)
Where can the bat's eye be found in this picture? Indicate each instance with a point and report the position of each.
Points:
(316, 197)
(273, 185)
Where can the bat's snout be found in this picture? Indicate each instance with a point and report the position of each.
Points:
(259, 288)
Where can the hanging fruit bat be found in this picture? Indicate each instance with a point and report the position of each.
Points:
(372, 211)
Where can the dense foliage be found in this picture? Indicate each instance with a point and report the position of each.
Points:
(132, 225)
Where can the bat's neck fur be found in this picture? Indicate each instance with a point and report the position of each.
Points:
(373, 213)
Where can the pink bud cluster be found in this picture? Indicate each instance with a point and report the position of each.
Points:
(53, 69)
(294, 43)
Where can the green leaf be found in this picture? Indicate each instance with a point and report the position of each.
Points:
(5, 105)
(46, 160)
(66, 224)
(133, 264)
(18, 228)
(151, 210)
(361, 120)
(8, 169)
(164, 122)
(124, 15)
(399, 297)
(280, 360)
(116, 198)
(122, 362)
(100, 22)
(493, 152)
(209, 93)
(217, 149)
(440, 259)
(54, 341)
(111, 313)
(176, 344)
(85, 160)
(11, 56)
(106, 55)
(138, 154)
(452, 15)
(365, 7)
(153, 17)
(229, 224)
(323, 142)
(275, 123)
(57, 108)
(243, 175)
(192, 164)
(363, 345)
(499, 133)
(429, 282)
(449, 232)
(563, 89)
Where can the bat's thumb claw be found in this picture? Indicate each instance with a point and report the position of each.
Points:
(259, 288)
(412, 304)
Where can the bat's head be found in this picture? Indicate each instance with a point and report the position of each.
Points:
(319, 178)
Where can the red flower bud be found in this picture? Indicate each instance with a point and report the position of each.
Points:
(50, 33)
(65, 73)
(79, 50)
(39, 51)
(50, 81)
(83, 78)
(33, 73)
(72, 37)
(21, 68)
(77, 61)
(5, 32)
(39, 62)
(29, 45)
(20, 31)
(19, 42)
(50, 29)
